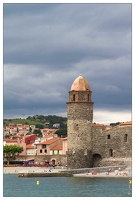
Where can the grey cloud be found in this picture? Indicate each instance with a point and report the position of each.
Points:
(47, 46)
(44, 38)
(26, 8)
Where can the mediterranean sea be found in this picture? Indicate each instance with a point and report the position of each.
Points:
(13, 186)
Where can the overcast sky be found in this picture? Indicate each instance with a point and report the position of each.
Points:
(47, 46)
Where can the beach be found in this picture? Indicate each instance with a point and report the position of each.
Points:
(123, 174)
(116, 173)
(16, 170)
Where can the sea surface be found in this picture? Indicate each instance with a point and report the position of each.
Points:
(13, 186)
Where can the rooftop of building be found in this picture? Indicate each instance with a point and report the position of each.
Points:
(57, 147)
(29, 146)
(80, 84)
(50, 141)
(99, 125)
(126, 123)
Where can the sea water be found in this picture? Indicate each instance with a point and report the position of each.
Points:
(14, 186)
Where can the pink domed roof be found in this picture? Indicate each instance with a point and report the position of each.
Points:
(80, 84)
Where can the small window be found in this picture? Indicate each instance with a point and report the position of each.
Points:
(40, 150)
(126, 138)
(43, 146)
(88, 97)
(73, 97)
(110, 153)
(45, 150)
(58, 152)
(108, 137)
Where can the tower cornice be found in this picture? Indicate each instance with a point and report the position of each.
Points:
(69, 102)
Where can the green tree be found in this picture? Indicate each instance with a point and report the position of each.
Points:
(10, 151)
(29, 133)
(62, 132)
(114, 124)
(40, 126)
(38, 133)
(7, 136)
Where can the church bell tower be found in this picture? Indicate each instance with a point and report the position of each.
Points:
(79, 127)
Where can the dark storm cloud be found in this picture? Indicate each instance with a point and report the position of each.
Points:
(23, 8)
(46, 46)
(56, 37)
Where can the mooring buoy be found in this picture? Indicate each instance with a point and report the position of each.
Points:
(38, 182)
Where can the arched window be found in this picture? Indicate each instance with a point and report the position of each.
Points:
(126, 138)
(110, 153)
(73, 97)
(45, 150)
(88, 97)
(40, 150)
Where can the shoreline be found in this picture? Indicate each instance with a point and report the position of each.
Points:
(104, 175)
(44, 170)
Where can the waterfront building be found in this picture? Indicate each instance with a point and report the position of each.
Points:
(93, 145)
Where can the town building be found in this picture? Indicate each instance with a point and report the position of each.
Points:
(46, 147)
(56, 125)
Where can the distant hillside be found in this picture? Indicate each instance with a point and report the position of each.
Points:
(44, 121)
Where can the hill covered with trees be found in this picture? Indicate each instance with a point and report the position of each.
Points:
(40, 121)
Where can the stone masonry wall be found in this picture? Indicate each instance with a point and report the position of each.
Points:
(79, 152)
(80, 111)
(95, 169)
(79, 96)
(113, 139)
(62, 159)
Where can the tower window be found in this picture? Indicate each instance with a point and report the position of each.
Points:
(73, 151)
(108, 137)
(88, 97)
(126, 138)
(85, 152)
(73, 97)
(110, 153)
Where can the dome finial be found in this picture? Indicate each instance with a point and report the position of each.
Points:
(80, 84)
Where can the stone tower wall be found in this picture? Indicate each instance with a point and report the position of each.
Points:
(79, 96)
(79, 152)
(80, 111)
(98, 141)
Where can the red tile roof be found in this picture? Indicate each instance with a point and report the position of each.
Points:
(126, 123)
(98, 125)
(57, 147)
(29, 146)
(10, 141)
(50, 141)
